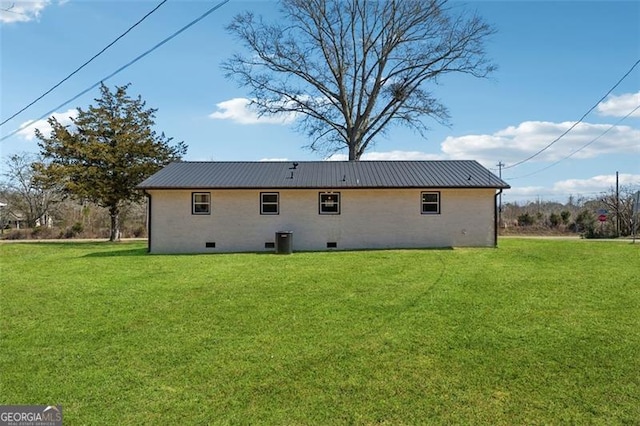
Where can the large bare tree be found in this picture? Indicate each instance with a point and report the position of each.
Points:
(348, 69)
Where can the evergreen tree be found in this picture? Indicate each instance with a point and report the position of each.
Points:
(106, 151)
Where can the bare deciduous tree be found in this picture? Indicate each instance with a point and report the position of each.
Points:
(26, 198)
(348, 69)
(620, 208)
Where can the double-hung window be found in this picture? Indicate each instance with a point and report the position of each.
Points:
(201, 203)
(430, 203)
(269, 203)
(329, 203)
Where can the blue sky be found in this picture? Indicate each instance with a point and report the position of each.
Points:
(555, 59)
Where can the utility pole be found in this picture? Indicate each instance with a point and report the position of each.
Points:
(500, 166)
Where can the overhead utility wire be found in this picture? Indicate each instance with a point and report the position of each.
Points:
(581, 148)
(86, 63)
(190, 24)
(576, 123)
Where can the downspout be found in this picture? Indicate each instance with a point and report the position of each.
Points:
(148, 221)
(496, 222)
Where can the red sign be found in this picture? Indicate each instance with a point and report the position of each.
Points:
(602, 218)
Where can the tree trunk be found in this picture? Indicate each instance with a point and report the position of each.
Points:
(31, 217)
(114, 213)
(353, 152)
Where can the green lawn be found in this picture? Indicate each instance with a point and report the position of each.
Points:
(534, 332)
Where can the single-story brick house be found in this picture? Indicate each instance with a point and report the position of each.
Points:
(197, 207)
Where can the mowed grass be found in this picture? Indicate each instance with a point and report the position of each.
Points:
(533, 332)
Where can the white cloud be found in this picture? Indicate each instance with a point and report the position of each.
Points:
(561, 190)
(22, 10)
(390, 156)
(28, 128)
(516, 143)
(620, 106)
(401, 155)
(239, 111)
(600, 183)
(520, 193)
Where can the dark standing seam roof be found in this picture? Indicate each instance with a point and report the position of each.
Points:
(324, 175)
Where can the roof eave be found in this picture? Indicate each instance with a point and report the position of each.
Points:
(183, 188)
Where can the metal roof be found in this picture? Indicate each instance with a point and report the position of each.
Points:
(323, 174)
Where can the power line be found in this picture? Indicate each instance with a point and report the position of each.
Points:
(581, 148)
(86, 63)
(577, 122)
(181, 30)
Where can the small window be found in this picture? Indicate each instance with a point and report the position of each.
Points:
(330, 203)
(201, 203)
(430, 203)
(269, 203)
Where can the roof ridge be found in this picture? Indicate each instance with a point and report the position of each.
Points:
(320, 161)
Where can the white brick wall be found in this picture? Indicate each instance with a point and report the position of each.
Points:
(380, 218)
